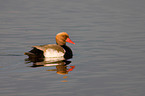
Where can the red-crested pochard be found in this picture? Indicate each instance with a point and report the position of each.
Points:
(53, 50)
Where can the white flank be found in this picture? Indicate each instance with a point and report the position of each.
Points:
(53, 53)
(52, 59)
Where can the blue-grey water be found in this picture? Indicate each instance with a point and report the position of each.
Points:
(109, 54)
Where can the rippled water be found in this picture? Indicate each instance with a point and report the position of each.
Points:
(109, 54)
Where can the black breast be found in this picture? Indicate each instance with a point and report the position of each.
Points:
(68, 53)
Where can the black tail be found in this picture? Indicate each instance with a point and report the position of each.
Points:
(35, 53)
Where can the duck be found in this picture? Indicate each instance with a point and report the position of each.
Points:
(60, 49)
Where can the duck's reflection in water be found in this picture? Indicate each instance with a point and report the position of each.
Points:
(61, 66)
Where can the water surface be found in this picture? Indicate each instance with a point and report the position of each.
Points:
(109, 53)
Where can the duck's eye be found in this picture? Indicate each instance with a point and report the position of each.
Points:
(64, 36)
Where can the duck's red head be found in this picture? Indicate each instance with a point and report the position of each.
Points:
(62, 38)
